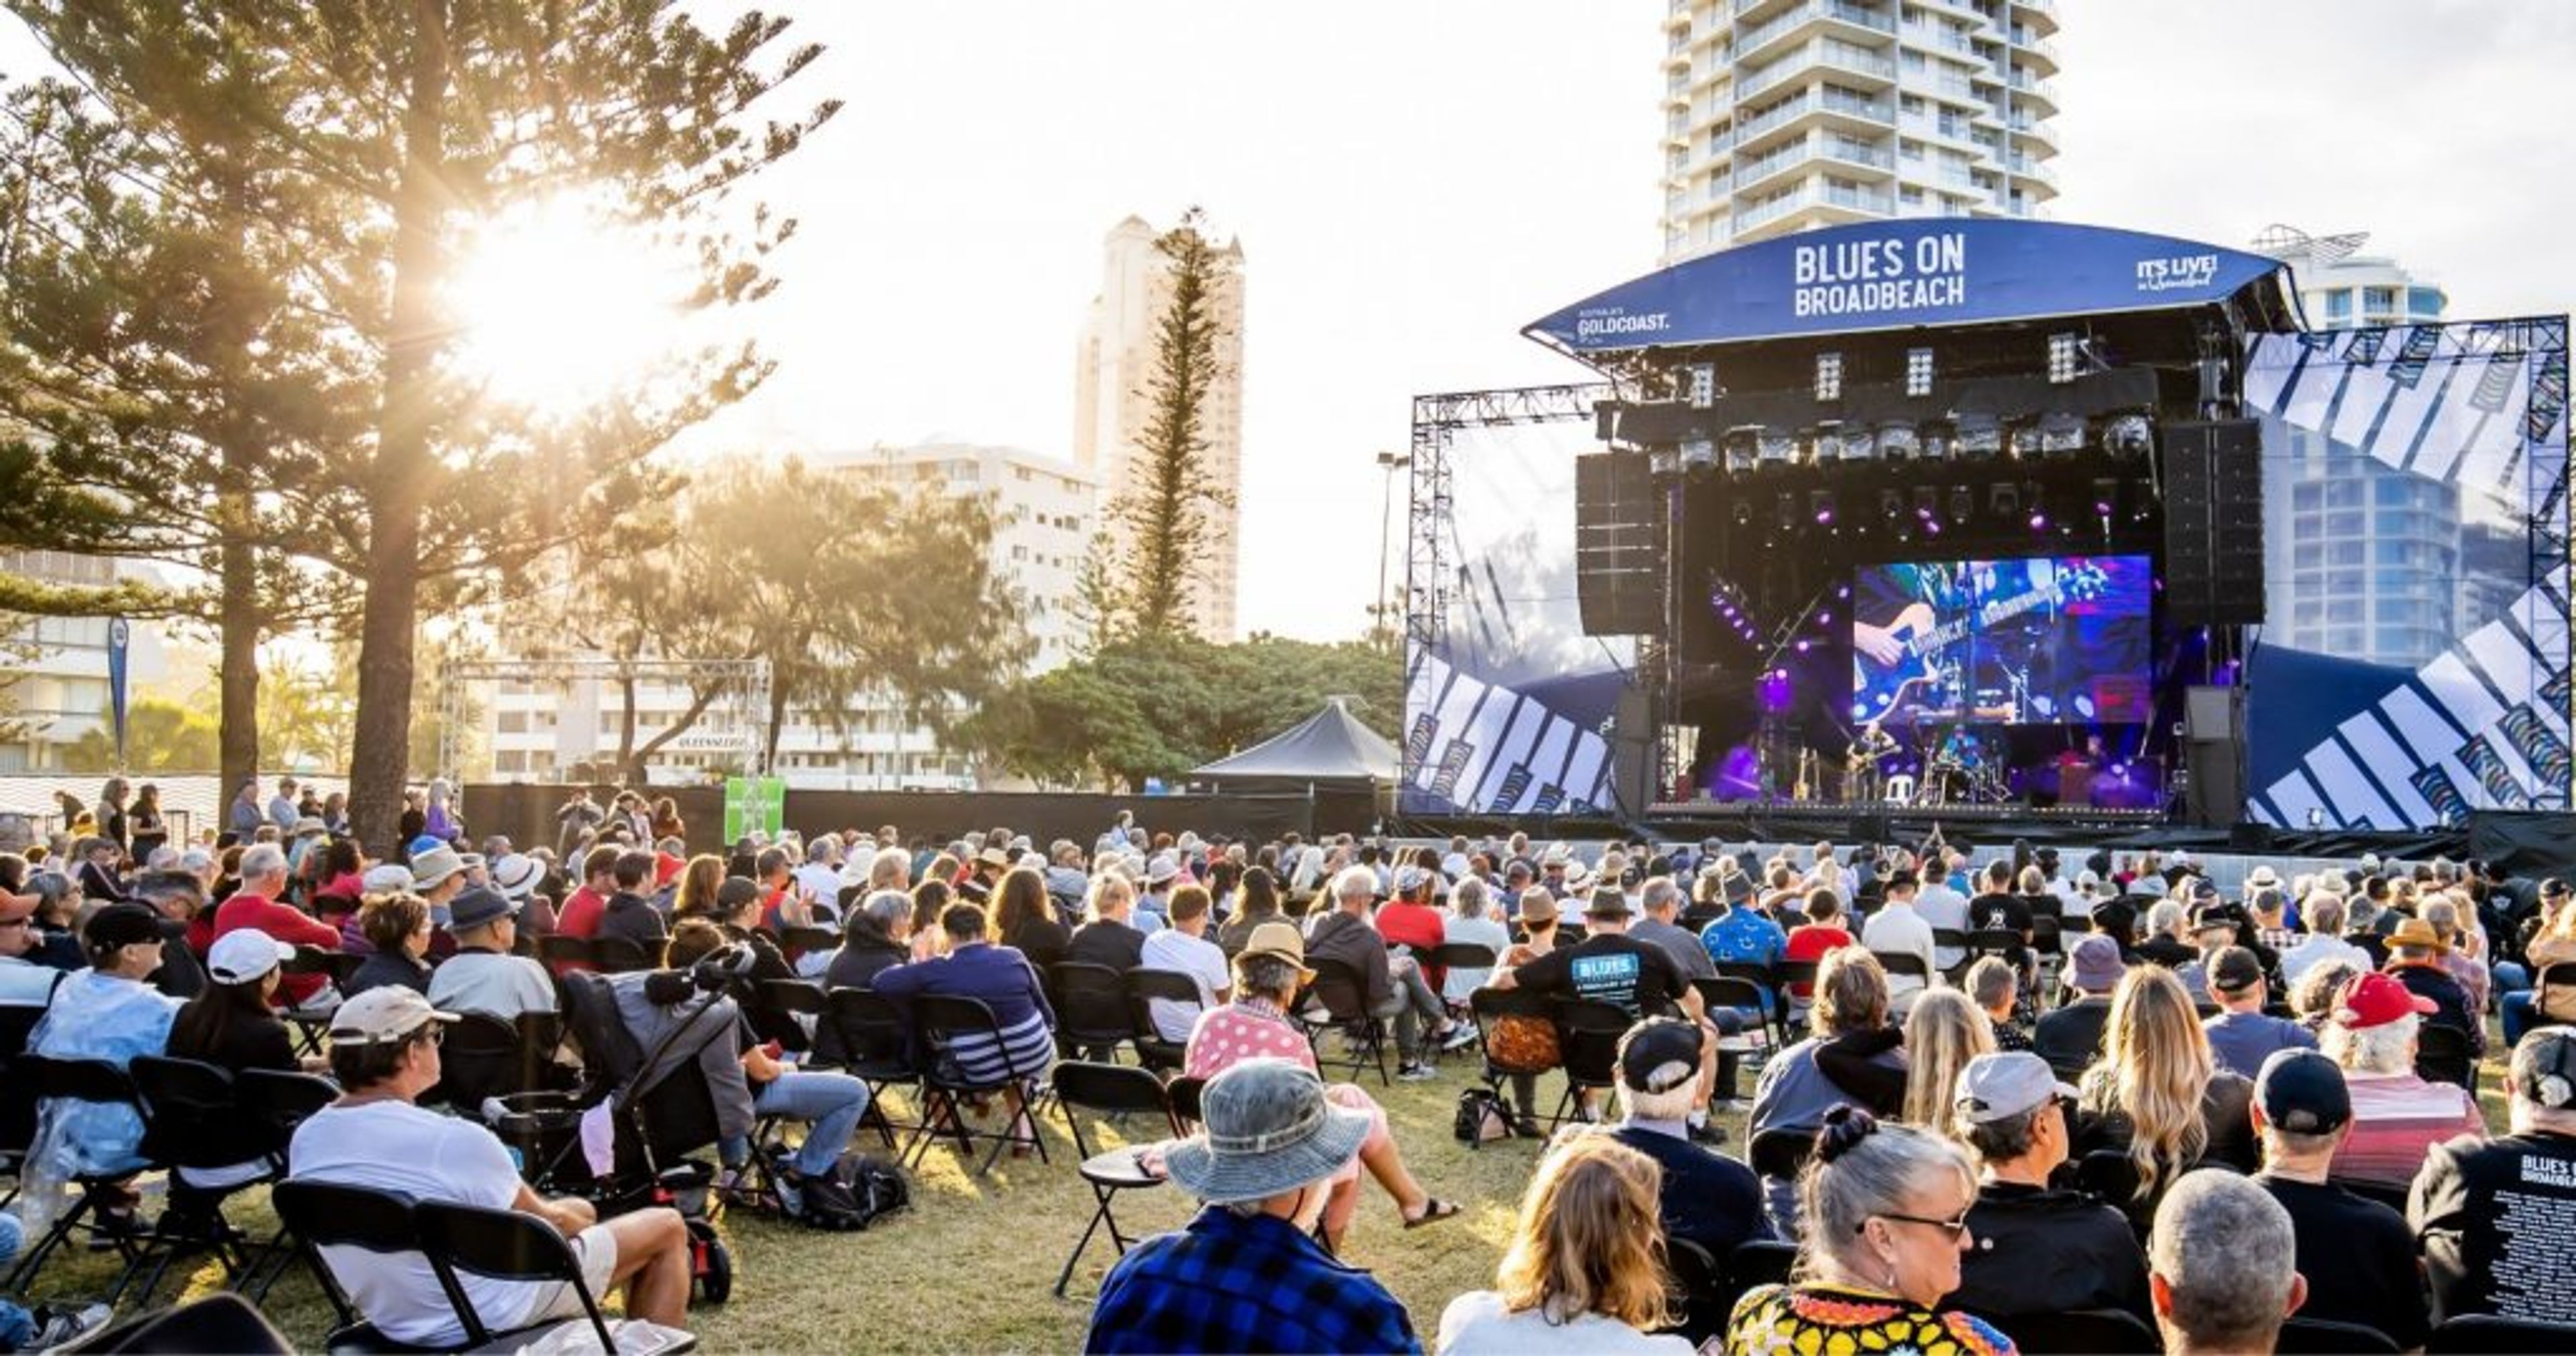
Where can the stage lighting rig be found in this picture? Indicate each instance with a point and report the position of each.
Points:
(2060, 433)
(2021, 441)
(2065, 357)
(2005, 497)
(1852, 442)
(1979, 435)
(1897, 441)
(1918, 372)
(1699, 456)
(1779, 448)
(1743, 448)
(1829, 376)
(1926, 503)
(2106, 500)
(1963, 505)
(1700, 385)
(2128, 435)
(1933, 440)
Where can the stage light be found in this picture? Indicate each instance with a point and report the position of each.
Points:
(1829, 376)
(2106, 498)
(1963, 505)
(1788, 507)
(1779, 448)
(1918, 371)
(1743, 449)
(1743, 513)
(2059, 432)
(1700, 455)
(1857, 444)
(2006, 499)
(2128, 435)
(1979, 435)
(2021, 442)
(1933, 440)
(1664, 461)
(2064, 354)
(1926, 503)
(2037, 502)
(1896, 441)
(1702, 385)
(1891, 505)
(1820, 506)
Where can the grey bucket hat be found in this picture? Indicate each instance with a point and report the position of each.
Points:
(1268, 1130)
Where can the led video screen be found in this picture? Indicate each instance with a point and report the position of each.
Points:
(2048, 640)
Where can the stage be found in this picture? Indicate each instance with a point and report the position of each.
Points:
(2105, 542)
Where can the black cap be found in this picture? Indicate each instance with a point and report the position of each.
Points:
(121, 925)
(2234, 970)
(2303, 1092)
(1659, 1054)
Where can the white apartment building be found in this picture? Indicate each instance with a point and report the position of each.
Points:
(1786, 115)
(1045, 511)
(1113, 367)
(58, 665)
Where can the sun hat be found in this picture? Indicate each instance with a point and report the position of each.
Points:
(1281, 939)
(1997, 1087)
(1266, 1129)
(2093, 963)
(2417, 932)
(310, 826)
(1606, 902)
(1538, 906)
(387, 879)
(1163, 867)
(2376, 999)
(517, 874)
(2303, 1092)
(244, 954)
(385, 1013)
(435, 865)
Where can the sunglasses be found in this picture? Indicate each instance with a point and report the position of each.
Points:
(1951, 1227)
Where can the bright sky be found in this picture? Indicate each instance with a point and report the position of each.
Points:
(1412, 182)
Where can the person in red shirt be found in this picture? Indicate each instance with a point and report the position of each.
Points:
(1411, 920)
(255, 905)
(1822, 932)
(583, 908)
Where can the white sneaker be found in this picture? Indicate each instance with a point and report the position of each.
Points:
(1461, 1038)
(62, 1325)
(1416, 1073)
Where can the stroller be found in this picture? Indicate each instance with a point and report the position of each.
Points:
(661, 1106)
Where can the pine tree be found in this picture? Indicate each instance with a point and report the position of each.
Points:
(1163, 513)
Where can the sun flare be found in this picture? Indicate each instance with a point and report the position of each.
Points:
(558, 305)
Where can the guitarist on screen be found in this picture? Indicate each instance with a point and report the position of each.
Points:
(1924, 593)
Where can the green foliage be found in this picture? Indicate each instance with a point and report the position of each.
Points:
(1163, 516)
(160, 736)
(1138, 710)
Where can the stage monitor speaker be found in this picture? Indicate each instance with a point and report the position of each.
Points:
(1620, 522)
(2214, 755)
(2213, 490)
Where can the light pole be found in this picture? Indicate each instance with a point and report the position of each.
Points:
(1388, 463)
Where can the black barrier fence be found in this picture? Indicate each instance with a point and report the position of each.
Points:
(529, 814)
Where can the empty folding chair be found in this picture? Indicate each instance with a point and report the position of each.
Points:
(1109, 1090)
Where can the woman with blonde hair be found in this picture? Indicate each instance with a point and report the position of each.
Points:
(1585, 1269)
(2157, 1093)
(699, 882)
(1943, 1032)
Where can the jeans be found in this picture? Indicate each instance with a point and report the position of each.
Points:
(1411, 1002)
(830, 1104)
(17, 1326)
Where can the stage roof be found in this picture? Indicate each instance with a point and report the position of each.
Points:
(1914, 273)
(1328, 746)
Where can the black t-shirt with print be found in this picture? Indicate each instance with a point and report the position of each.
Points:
(1611, 968)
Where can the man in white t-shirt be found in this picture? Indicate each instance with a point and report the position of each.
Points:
(1942, 906)
(821, 872)
(384, 1052)
(1184, 947)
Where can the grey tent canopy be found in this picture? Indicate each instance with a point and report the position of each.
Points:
(1330, 746)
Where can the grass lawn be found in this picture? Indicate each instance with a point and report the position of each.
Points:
(971, 1265)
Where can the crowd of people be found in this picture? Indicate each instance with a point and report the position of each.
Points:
(2019, 1093)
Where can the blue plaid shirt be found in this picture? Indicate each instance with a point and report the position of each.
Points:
(1228, 1282)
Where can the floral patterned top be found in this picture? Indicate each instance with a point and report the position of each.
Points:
(1779, 1320)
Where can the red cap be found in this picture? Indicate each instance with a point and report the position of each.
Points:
(666, 868)
(2376, 1000)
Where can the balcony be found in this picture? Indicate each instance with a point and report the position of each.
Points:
(2040, 16)
(1831, 198)
(1850, 152)
(2033, 91)
(1810, 15)
(2033, 133)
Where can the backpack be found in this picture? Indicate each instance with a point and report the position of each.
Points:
(861, 1190)
(1480, 1117)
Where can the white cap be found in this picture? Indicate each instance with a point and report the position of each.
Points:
(244, 954)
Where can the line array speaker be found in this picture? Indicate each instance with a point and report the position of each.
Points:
(1620, 526)
(2213, 479)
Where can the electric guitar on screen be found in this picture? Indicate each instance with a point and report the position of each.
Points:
(1877, 690)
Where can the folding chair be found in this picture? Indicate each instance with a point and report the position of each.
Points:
(1184, 1094)
(876, 1048)
(1340, 991)
(1780, 1154)
(2305, 1336)
(618, 956)
(561, 951)
(1950, 939)
(479, 1058)
(948, 1020)
(1090, 1000)
(2001, 943)
(785, 1011)
(83, 1080)
(222, 1321)
(1143, 987)
(278, 1102)
(2471, 1333)
(1450, 956)
(1108, 1090)
(1587, 1034)
(511, 1245)
(310, 1026)
(1490, 1007)
(18, 1094)
(192, 1119)
(2079, 1332)
(1727, 991)
(1693, 1275)
(1907, 963)
(1760, 1261)
(2553, 993)
(1774, 1007)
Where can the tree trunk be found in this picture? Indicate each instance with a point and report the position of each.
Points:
(394, 493)
(237, 675)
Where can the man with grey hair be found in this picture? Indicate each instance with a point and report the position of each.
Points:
(258, 904)
(1661, 901)
(1708, 1198)
(2038, 1250)
(2490, 1212)
(2324, 915)
(1392, 988)
(2396, 1114)
(175, 896)
(821, 873)
(2222, 1265)
(878, 935)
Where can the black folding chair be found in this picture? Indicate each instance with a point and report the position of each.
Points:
(561, 949)
(2443, 1055)
(328, 1214)
(1698, 1284)
(1587, 1035)
(1339, 990)
(94, 1081)
(1728, 991)
(310, 1026)
(2002, 943)
(1143, 987)
(875, 1047)
(509, 1245)
(1184, 1094)
(1453, 956)
(479, 1058)
(1490, 1007)
(2304, 1336)
(1090, 1000)
(2471, 1333)
(1950, 939)
(1108, 1090)
(947, 1021)
(619, 956)
(1781, 1154)
(192, 1120)
(786, 1010)
(2078, 1332)
(277, 1102)
(1760, 1261)
(1765, 981)
(1897, 963)
(222, 1321)
(18, 1092)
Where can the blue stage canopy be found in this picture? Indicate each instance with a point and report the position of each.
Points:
(1886, 275)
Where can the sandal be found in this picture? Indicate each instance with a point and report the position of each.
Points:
(1434, 1210)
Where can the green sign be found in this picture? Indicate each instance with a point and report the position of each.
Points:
(754, 805)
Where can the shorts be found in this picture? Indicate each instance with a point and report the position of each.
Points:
(596, 1249)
